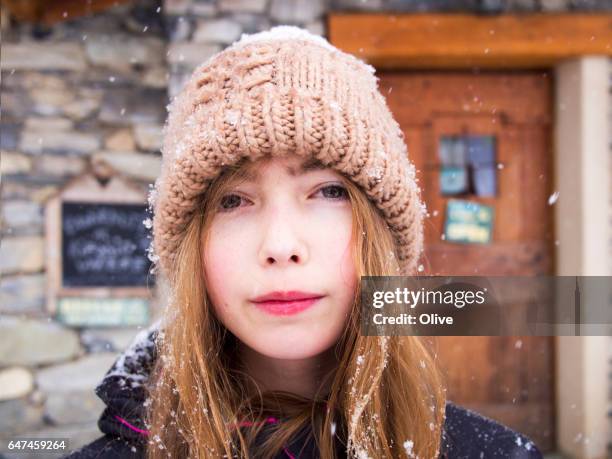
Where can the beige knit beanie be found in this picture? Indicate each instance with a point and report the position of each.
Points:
(284, 91)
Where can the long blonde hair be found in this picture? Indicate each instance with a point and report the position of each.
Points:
(386, 398)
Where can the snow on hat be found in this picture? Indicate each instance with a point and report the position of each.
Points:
(284, 91)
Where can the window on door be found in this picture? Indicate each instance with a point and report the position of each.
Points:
(468, 165)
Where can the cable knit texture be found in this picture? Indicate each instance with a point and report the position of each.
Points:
(284, 92)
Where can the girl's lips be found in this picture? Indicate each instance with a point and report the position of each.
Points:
(286, 308)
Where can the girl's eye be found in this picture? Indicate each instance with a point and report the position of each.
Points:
(229, 201)
(335, 192)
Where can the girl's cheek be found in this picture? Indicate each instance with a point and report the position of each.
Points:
(334, 233)
(219, 257)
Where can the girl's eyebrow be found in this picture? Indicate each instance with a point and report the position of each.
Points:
(311, 164)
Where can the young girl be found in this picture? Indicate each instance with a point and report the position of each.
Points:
(285, 178)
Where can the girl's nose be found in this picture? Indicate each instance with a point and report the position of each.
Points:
(282, 243)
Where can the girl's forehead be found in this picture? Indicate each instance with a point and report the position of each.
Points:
(293, 166)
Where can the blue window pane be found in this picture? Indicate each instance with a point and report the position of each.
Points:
(481, 150)
(453, 180)
(484, 180)
(453, 151)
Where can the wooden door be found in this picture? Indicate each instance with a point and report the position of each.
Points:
(506, 378)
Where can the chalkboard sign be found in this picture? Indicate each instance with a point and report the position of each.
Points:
(104, 245)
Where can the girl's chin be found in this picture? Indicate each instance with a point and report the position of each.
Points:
(291, 349)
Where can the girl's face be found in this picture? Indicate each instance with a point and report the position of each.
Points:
(285, 230)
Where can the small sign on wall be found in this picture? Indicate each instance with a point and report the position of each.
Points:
(95, 312)
(104, 245)
(98, 270)
(468, 222)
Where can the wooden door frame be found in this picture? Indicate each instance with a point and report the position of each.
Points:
(465, 41)
(576, 48)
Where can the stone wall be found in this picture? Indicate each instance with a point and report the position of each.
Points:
(89, 93)
(86, 93)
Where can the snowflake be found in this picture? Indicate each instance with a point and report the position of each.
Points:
(519, 442)
(334, 105)
(423, 208)
(231, 116)
(408, 445)
(151, 255)
(375, 173)
(152, 195)
(553, 198)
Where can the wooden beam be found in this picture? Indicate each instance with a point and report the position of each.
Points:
(437, 41)
(49, 12)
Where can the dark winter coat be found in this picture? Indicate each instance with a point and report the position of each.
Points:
(466, 434)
